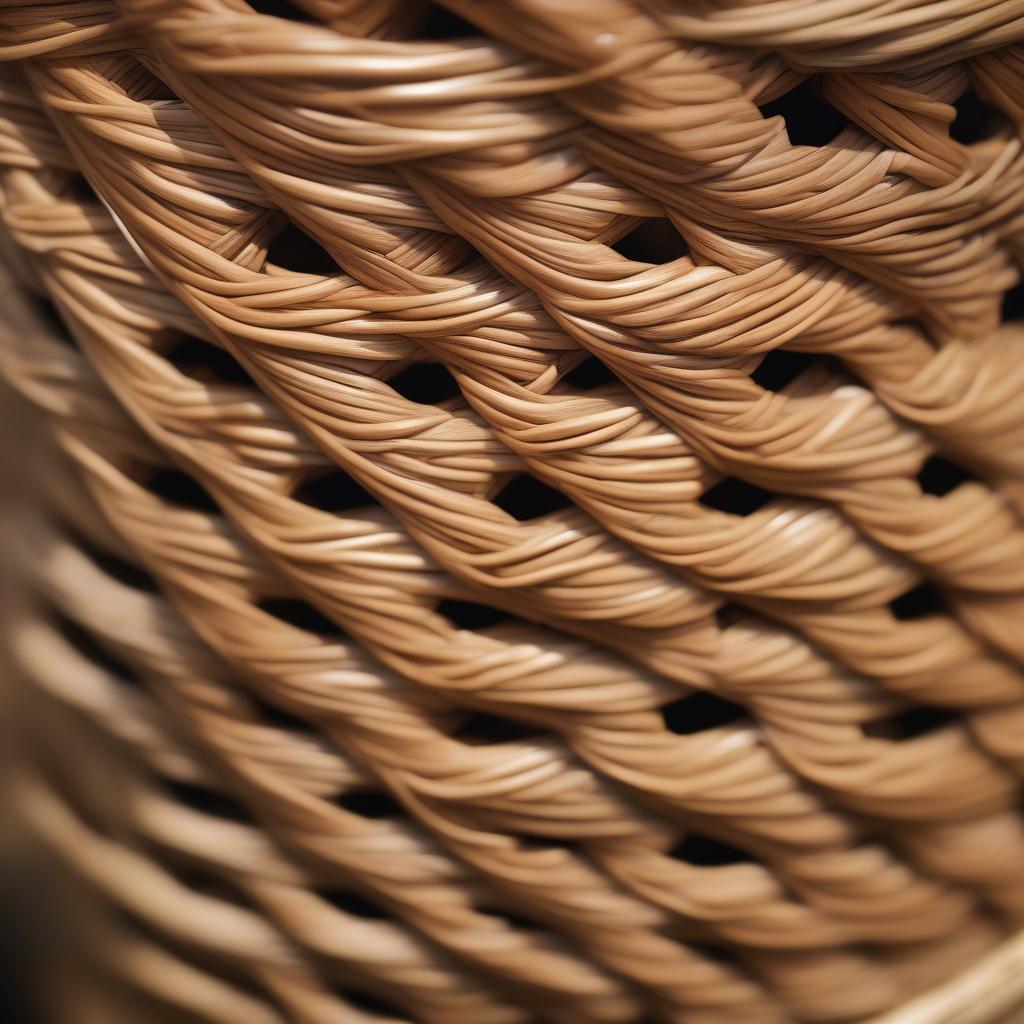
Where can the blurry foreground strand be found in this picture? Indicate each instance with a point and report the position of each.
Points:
(532, 525)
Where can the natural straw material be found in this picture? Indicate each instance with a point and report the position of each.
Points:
(536, 524)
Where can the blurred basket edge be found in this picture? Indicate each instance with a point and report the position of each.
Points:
(550, 544)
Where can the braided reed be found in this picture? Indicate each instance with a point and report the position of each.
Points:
(534, 536)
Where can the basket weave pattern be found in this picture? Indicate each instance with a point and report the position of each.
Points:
(536, 516)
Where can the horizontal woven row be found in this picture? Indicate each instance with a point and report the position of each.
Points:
(534, 531)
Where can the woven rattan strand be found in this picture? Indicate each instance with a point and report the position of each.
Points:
(531, 519)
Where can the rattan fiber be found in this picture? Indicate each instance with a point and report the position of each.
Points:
(534, 528)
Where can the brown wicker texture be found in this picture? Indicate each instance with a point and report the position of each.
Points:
(535, 523)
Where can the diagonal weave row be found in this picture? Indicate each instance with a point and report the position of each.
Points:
(578, 470)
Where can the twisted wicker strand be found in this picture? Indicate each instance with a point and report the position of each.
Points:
(476, 191)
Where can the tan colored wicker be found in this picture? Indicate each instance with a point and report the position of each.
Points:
(534, 528)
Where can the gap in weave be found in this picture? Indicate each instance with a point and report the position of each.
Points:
(1013, 304)
(735, 496)
(976, 120)
(529, 841)
(510, 917)
(707, 852)
(729, 613)
(281, 9)
(152, 89)
(699, 711)
(374, 804)
(810, 121)
(92, 649)
(911, 723)
(354, 903)
(588, 374)
(292, 249)
(939, 476)
(300, 614)
(45, 309)
(278, 718)
(333, 491)
(78, 190)
(525, 497)
(181, 489)
(654, 240)
(718, 954)
(441, 24)
(370, 1003)
(470, 614)
(919, 602)
(202, 880)
(205, 362)
(482, 728)
(780, 367)
(114, 566)
(426, 383)
(209, 801)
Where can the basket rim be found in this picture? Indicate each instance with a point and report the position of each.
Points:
(983, 994)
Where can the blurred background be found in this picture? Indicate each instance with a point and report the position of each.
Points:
(35, 918)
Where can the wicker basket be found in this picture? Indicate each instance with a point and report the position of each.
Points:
(529, 524)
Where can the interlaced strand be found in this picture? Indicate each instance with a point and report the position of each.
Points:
(536, 527)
